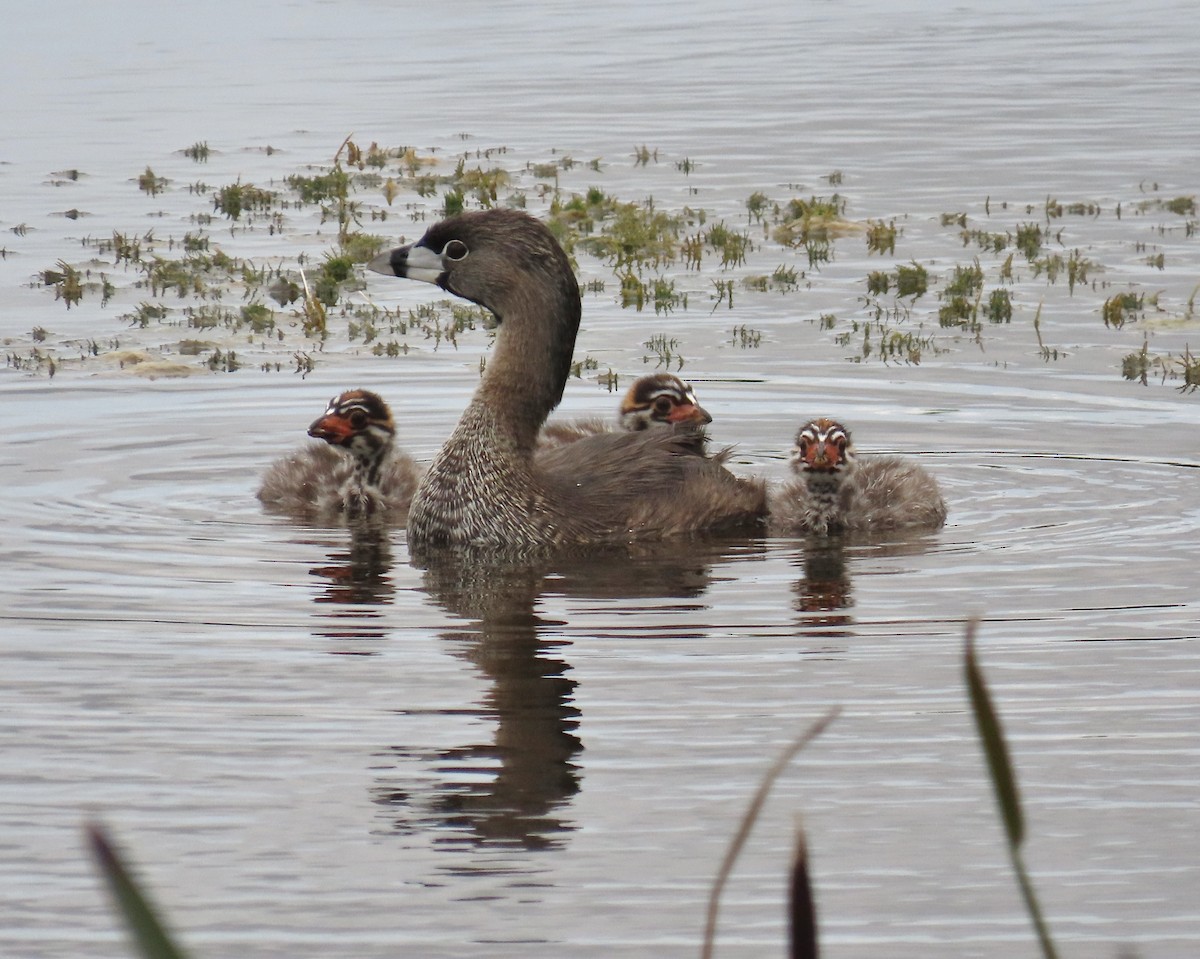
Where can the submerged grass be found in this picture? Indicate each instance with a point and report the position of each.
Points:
(642, 255)
(1183, 367)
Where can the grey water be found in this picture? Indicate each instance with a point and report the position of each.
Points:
(310, 747)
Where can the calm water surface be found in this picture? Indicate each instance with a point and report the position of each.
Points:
(313, 748)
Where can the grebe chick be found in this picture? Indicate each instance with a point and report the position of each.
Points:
(836, 491)
(356, 472)
(660, 399)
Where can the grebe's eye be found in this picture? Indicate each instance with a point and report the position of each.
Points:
(358, 419)
(455, 250)
(663, 405)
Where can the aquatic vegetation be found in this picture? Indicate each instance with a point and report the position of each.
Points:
(812, 224)
(305, 364)
(1180, 205)
(1137, 366)
(642, 155)
(35, 361)
(321, 187)
(784, 278)
(223, 362)
(635, 237)
(237, 198)
(731, 245)
(999, 306)
(661, 253)
(878, 337)
(198, 151)
(68, 286)
(483, 185)
(666, 297)
(881, 237)
(757, 206)
(960, 296)
(453, 203)
(259, 317)
(146, 313)
(819, 249)
(1183, 367)
(1078, 267)
(1047, 353)
(1030, 239)
(1121, 309)
(664, 351)
(334, 272)
(313, 315)
(1075, 265)
(586, 365)
(186, 277)
(578, 215)
(633, 291)
(912, 280)
(440, 322)
(722, 293)
(151, 184)
(1186, 367)
(878, 282)
(746, 338)
(208, 317)
(127, 249)
(986, 241)
(691, 250)
(900, 346)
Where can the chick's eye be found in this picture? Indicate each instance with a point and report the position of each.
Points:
(358, 419)
(662, 406)
(455, 250)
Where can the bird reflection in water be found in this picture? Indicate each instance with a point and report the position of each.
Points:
(824, 594)
(516, 789)
(358, 581)
(509, 790)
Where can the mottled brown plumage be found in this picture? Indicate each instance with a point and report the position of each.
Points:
(837, 491)
(356, 471)
(485, 488)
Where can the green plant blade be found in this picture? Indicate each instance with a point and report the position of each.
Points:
(994, 747)
(148, 932)
(748, 819)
